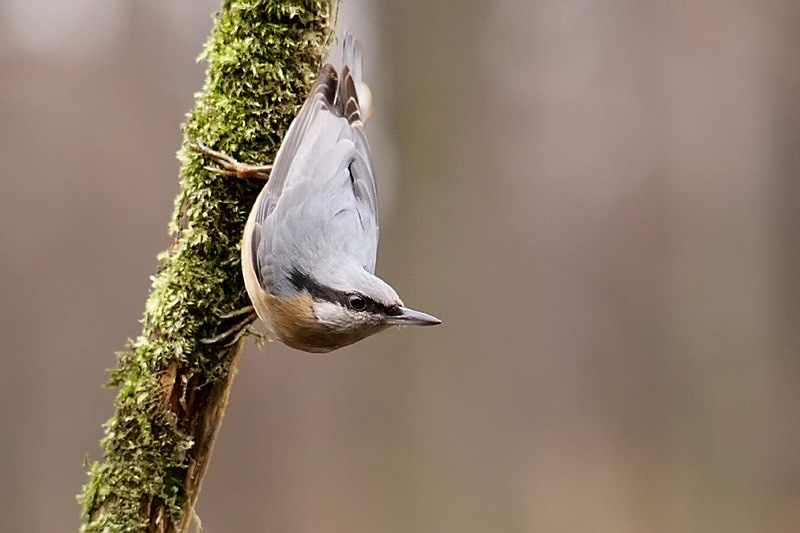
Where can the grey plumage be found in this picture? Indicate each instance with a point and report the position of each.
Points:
(321, 199)
(310, 244)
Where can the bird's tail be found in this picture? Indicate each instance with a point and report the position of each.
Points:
(352, 82)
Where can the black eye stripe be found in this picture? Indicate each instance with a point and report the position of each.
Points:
(302, 281)
(371, 306)
(393, 310)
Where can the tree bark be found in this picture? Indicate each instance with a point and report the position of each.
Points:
(263, 57)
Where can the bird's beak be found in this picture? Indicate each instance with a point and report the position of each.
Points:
(409, 317)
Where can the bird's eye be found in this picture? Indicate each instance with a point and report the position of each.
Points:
(356, 302)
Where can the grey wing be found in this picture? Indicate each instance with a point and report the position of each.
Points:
(322, 96)
(324, 164)
(327, 210)
(362, 175)
(328, 94)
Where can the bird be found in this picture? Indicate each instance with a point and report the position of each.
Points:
(310, 244)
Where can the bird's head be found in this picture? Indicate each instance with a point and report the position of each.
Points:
(342, 304)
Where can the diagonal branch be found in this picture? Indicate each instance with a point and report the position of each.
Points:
(263, 56)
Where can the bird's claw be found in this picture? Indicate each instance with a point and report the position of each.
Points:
(230, 336)
(230, 166)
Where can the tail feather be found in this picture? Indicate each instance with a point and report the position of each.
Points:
(326, 84)
(355, 96)
(348, 97)
(353, 56)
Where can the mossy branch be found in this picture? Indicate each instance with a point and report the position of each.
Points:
(263, 56)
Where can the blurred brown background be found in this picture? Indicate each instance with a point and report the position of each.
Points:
(600, 199)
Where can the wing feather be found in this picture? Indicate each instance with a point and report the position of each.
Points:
(321, 196)
(322, 97)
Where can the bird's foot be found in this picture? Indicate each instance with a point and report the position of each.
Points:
(230, 336)
(230, 166)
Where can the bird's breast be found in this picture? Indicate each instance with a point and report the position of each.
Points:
(292, 321)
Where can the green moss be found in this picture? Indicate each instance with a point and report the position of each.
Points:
(263, 57)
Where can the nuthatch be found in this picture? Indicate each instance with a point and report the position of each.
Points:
(310, 243)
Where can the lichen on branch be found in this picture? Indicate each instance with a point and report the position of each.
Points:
(262, 58)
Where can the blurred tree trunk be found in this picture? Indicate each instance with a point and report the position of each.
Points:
(263, 57)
